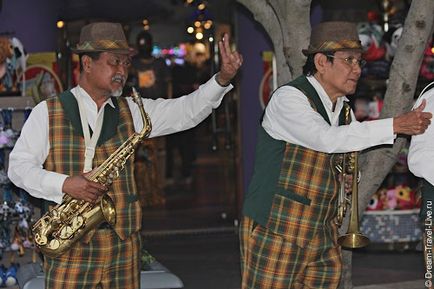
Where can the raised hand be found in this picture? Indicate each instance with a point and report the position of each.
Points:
(413, 122)
(230, 62)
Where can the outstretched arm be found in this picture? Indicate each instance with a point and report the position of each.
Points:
(231, 61)
(414, 122)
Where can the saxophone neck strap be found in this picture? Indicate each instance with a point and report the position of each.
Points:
(89, 141)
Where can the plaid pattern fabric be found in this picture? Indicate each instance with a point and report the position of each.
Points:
(270, 261)
(103, 44)
(66, 156)
(105, 262)
(297, 245)
(306, 198)
(337, 45)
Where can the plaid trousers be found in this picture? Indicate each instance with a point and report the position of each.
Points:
(105, 262)
(270, 261)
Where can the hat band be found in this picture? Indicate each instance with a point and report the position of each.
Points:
(102, 45)
(339, 45)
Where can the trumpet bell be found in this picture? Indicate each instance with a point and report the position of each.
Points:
(353, 240)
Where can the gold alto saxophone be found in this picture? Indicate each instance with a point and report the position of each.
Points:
(58, 229)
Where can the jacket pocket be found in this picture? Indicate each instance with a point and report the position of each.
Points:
(291, 216)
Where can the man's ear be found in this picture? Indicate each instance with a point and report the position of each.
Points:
(86, 62)
(320, 61)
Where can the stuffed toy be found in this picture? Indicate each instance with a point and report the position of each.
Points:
(391, 201)
(391, 39)
(8, 136)
(427, 67)
(375, 107)
(6, 52)
(406, 198)
(19, 58)
(5, 235)
(371, 35)
(376, 201)
(13, 59)
(10, 275)
(361, 108)
(17, 242)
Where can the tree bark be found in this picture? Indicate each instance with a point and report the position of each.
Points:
(288, 25)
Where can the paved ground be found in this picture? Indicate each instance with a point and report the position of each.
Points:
(207, 257)
(211, 260)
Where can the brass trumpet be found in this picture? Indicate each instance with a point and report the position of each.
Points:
(353, 238)
(349, 165)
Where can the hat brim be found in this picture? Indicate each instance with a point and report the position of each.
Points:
(308, 52)
(130, 51)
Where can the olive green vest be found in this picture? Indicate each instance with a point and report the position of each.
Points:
(285, 173)
(66, 154)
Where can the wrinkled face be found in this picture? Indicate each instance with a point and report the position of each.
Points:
(109, 73)
(340, 76)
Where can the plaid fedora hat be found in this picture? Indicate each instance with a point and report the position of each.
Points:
(333, 36)
(103, 36)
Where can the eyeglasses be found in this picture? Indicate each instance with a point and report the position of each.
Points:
(116, 62)
(351, 60)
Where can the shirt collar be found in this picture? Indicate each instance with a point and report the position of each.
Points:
(324, 96)
(78, 91)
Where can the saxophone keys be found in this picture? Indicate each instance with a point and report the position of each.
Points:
(54, 244)
(66, 232)
(77, 222)
(102, 180)
(40, 240)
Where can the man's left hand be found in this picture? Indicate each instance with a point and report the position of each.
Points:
(231, 61)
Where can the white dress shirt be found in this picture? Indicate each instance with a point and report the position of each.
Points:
(421, 151)
(290, 117)
(167, 116)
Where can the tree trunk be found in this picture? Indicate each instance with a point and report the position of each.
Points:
(288, 25)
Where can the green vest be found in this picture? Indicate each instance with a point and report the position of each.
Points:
(66, 154)
(293, 172)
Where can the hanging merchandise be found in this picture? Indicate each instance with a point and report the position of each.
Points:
(371, 35)
(10, 276)
(13, 58)
(427, 67)
(391, 39)
(8, 136)
(41, 83)
(374, 51)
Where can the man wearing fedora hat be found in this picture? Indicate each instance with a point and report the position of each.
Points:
(55, 151)
(288, 234)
